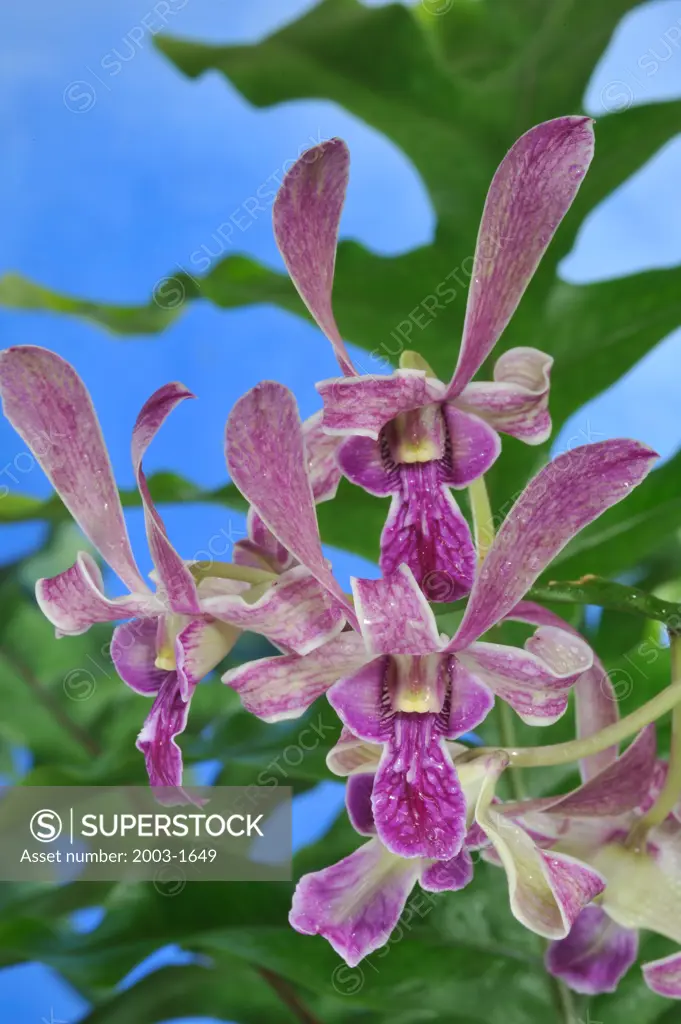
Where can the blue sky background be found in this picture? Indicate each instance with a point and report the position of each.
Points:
(109, 181)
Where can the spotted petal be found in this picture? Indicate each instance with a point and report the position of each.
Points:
(530, 194)
(363, 405)
(322, 458)
(394, 616)
(516, 402)
(49, 406)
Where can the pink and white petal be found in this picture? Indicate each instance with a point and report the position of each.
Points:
(360, 460)
(536, 681)
(74, 600)
(133, 653)
(266, 458)
(419, 805)
(363, 405)
(596, 705)
(426, 530)
(357, 699)
(176, 579)
(475, 446)
(394, 616)
(284, 686)
(596, 954)
(294, 612)
(470, 700)
(166, 720)
(351, 754)
(49, 406)
(356, 903)
(306, 215)
(448, 875)
(563, 498)
(516, 402)
(358, 792)
(261, 550)
(547, 891)
(531, 191)
(322, 458)
(664, 976)
(199, 648)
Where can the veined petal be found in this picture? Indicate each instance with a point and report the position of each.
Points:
(427, 531)
(536, 681)
(394, 616)
(306, 216)
(448, 875)
(166, 720)
(664, 976)
(261, 549)
(199, 648)
(294, 612)
(356, 903)
(175, 576)
(517, 401)
(74, 600)
(596, 704)
(357, 699)
(531, 192)
(470, 701)
(284, 686)
(358, 792)
(643, 890)
(266, 458)
(351, 754)
(562, 499)
(133, 652)
(322, 458)
(419, 805)
(361, 461)
(547, 890)
(475, 446)
(363, 405)
(49, 406)
(596, 954)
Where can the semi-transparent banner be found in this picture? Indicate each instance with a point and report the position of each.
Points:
(168, 836)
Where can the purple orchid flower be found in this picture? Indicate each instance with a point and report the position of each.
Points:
(180, 632)
(408, 434)
(356, 903)
(397, 681)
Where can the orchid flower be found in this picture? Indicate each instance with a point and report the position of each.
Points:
(356, 903)
(180, 632)
(408, 434)
(398, 682)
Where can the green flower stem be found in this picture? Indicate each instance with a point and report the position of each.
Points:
(671, 791)
(483, 521)
(616, 596)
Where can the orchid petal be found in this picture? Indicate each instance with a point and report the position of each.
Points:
(562, 499)
(664, 976)
(427, 531)
(358, 792)
(283, 687)
(516, 403)
(49, 406)
(419, 805)
(74, 600)
(536, 681)
(199, 648)
(166, 720)
(261, 549)
(470, 701)
(596, 704)
(475, 446)
(596, 954)
(356, 903)
(294, 612)
(133, 653)
(643, 890)
(266, 458)
(322, 458)
(357, 699)
(363, 405)
(394, 616)
(306, 215)
(531, 192)
(547, 890)
(361, 461)
(351, 754)
(175, 576)
(448, 875)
